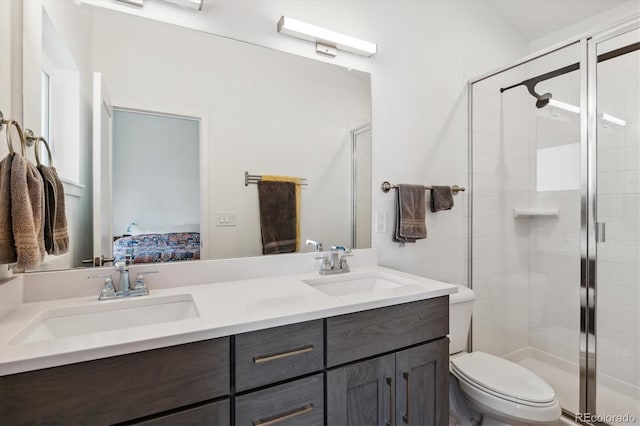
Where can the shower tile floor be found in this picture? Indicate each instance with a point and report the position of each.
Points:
(563, 377)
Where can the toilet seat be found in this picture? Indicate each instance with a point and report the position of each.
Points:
(503, 379)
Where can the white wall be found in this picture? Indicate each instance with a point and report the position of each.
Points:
(588, 26)
(426, 53)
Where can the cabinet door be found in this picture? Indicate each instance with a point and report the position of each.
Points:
(362, 393)
(422, 384)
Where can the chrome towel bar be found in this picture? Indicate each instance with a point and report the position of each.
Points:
(386, 187)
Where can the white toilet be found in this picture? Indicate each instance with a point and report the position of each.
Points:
(489, 390)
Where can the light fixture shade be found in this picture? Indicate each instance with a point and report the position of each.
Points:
(305, 31)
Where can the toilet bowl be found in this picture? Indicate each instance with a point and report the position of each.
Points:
(496, 391)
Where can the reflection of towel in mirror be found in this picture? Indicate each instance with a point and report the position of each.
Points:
(27, 211)
(7, 245)
(297, 181)
(278, 216)
(410, 214)
(441, 198)
(56, 236)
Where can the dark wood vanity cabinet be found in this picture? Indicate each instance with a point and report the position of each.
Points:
(404, 387)
(410, 385)
(376, 367)
(118, 389)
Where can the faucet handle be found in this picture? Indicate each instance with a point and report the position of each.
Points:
(108, 289)
(343, 262)
(140, 284)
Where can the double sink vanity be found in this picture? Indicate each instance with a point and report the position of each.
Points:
(366, 347)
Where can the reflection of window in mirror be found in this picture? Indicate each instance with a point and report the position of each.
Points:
(46, 113)
(62, 107)
(558, 168)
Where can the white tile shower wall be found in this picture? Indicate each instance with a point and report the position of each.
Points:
(618, 267)
(501, 167)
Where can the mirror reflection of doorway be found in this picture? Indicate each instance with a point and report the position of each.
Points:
(361, 186)
(156, 174)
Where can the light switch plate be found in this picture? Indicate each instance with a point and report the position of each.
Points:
(226, 219)
(381, 222)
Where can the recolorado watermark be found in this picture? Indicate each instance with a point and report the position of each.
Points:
(605, 418)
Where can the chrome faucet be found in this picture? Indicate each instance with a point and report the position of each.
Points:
(335, 264)
(123, 268)
(317, 245)
(109, 291)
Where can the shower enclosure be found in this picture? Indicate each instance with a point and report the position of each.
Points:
(555, 220)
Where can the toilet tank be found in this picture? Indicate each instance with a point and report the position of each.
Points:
(460, 309)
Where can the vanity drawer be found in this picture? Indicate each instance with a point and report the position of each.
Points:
(268, 356)
(363, 334)
(298, 403)
(214, 413)
(118, 389)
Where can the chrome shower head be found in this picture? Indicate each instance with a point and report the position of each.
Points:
(543, 100)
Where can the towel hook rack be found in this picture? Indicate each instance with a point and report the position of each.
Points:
(386, 187)
(33, 139)
(10, 125)
(3, 122)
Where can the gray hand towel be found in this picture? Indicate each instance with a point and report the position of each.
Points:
(441, 198)
(410, 213)
(7, 244)
(278, 221)
(27, 211)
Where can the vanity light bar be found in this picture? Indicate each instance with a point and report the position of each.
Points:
(576, 110)
(614, 120)
(139, 3)
(564, 106)
(325, 37)
(193, 4)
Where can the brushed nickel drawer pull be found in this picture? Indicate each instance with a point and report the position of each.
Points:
(392, 410)
(406, 417)
(282, 417)
(266, 358)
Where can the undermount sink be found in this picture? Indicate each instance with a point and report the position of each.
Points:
(107, 316)
(357, 282)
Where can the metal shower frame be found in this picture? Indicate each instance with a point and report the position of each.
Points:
(588, 201)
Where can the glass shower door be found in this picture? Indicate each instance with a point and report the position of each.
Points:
(617, 131)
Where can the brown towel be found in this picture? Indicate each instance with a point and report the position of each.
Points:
(441, 198)
(49, 206)
(7, 245)
(56, 235)
(278, 218)
(27, 211)
(410, 213)
(60, 229)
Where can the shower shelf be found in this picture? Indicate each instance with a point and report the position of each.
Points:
(535, 211)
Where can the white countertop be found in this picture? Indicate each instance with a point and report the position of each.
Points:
(225, 308)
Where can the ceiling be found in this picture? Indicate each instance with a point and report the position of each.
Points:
(538, 18)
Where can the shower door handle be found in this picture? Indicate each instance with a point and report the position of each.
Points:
(600, 232)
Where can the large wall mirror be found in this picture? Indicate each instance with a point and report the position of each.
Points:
(152, 128)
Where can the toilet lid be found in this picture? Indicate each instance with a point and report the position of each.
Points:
(503, 377)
